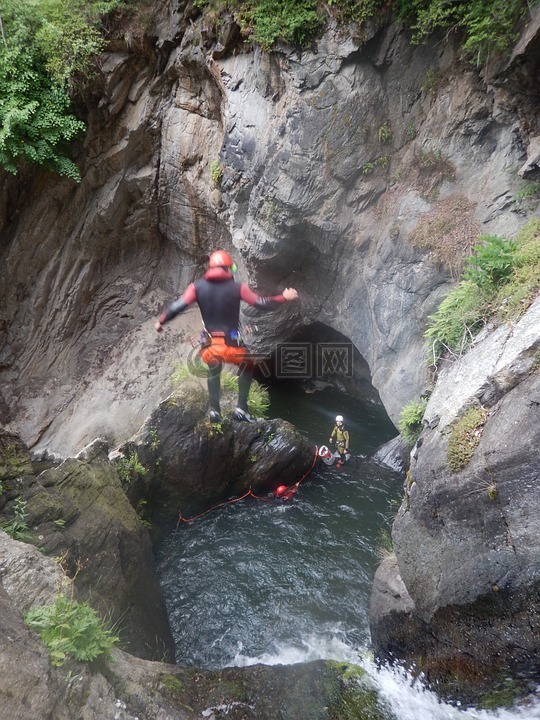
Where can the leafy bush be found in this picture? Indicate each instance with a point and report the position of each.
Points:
(357, 11)
(129, 468)
(17, 527)
(491, 262)
(487, 25)
(182, 371)
(267, 21)
(46, 46)
(410, 420)
(68, 628)
(460, 316)
(500, 279)
(524, 283)
(216, 172)
(258, 399)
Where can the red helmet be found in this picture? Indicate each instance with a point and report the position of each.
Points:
(220, 258)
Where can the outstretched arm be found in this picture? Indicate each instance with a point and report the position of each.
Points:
(267, 303)
(176, 307)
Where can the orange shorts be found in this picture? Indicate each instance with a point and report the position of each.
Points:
(218, 351)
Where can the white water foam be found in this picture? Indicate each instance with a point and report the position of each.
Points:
(312, 648)
(406, 698)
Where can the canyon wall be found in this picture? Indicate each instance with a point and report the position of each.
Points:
(334, 168)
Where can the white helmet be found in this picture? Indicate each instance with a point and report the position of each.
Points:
(339, 418)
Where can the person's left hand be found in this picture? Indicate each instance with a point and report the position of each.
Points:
(158, 326)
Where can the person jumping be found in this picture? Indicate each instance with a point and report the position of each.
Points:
(219, 296)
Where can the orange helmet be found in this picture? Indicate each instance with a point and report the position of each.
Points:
(220, 258)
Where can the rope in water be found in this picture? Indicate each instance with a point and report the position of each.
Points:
(285, 496)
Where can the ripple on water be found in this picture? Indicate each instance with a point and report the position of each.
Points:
(260, 576)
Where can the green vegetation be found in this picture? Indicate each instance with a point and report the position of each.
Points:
(461, 316)
(385, 545)
(500, 281)
(410, 420)
(369, 167)
(491, 262)
(485, 27)
(216, 172)
(527, 191)
(17, 527)
(47, 50)
(357, 698)
(384, 133)
(268, 21)
(464, 438)
(129, 468)
(71, 629)
(258, 400)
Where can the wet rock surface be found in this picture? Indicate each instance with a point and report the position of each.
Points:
(461, 594)
(190, 463)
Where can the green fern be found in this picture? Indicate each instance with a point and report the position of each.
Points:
(71, 629)
(491, 262)
(410, 420)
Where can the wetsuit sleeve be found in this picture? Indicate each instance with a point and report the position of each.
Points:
(263, 303)
(334, 431)
(346, 435)
(178, 306)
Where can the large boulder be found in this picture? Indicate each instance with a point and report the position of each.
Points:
(186, 462)
(79, 513)
(461, 597)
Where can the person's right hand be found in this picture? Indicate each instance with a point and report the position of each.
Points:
(330, 441)
(290, 294)
(158, 326)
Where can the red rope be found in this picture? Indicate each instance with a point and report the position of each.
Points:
(287, 495)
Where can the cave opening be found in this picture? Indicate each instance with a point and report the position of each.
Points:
(319, 373)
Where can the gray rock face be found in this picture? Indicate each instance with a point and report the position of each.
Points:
(323, 162)
(467, 563)
(79, 513)
(330, 162)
